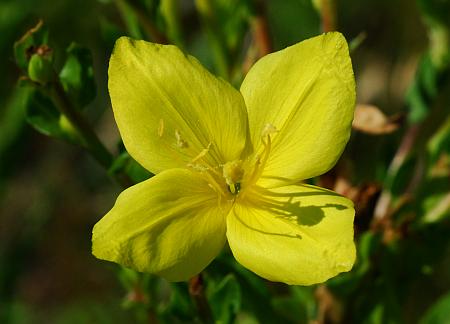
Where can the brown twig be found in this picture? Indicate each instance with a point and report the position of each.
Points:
(328, 14)
(197, 293)
(261, 43)
(149, 27)
(405, 148)
(260, 30)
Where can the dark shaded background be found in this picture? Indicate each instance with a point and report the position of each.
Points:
(52, 193)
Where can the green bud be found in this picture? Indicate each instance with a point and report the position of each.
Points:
(40, 68)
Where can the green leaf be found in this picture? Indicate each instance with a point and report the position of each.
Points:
(440, 142)
(42, 114)
(298, 307)
(347, 283)
(128, 278)
(433, 199)
(11, 121)
(225, 23)
(124, 163)
(225, 299)
(110, 32)
(170, 11)
(306, 297)
(432, 203)
(438, 10)
(423, 89)
(400, 180)
(77, 75)
(27, 45)
(180, 308)
(439, 313)
(291, 21)
(232, 19)
(130, 20)
(256, 297)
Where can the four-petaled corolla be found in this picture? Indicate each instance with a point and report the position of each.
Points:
(229, 164)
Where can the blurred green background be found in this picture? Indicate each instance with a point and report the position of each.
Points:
(396, 167)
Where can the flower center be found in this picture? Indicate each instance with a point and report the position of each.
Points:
(237, 176)
(233, 174)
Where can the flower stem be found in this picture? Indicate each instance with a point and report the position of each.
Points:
(197, 293)
(86, 134)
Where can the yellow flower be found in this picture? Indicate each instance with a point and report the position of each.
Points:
(229, 164)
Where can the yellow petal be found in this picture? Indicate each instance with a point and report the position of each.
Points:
(170, 225)
(298, 234)
(169, 109)
(307, 91)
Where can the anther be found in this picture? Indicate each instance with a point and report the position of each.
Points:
(268, 129)
(161, 128)
(181, 143)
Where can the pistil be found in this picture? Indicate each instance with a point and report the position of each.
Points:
(261, 159)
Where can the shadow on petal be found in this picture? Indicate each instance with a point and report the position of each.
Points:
(290, 206)
(245, 224)
(296, 234)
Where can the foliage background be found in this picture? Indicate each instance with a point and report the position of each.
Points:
(395, 169)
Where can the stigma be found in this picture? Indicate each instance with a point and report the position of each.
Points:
(233, 173)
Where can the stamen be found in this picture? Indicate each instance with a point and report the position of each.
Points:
(161, 128)
(213, 183)
(181, 143)
(201, 154)
(268, 129)
(212, 176)
(198, 167)
(205, 166)
(260, 164)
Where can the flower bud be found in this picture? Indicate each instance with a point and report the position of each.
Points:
(40, 68)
